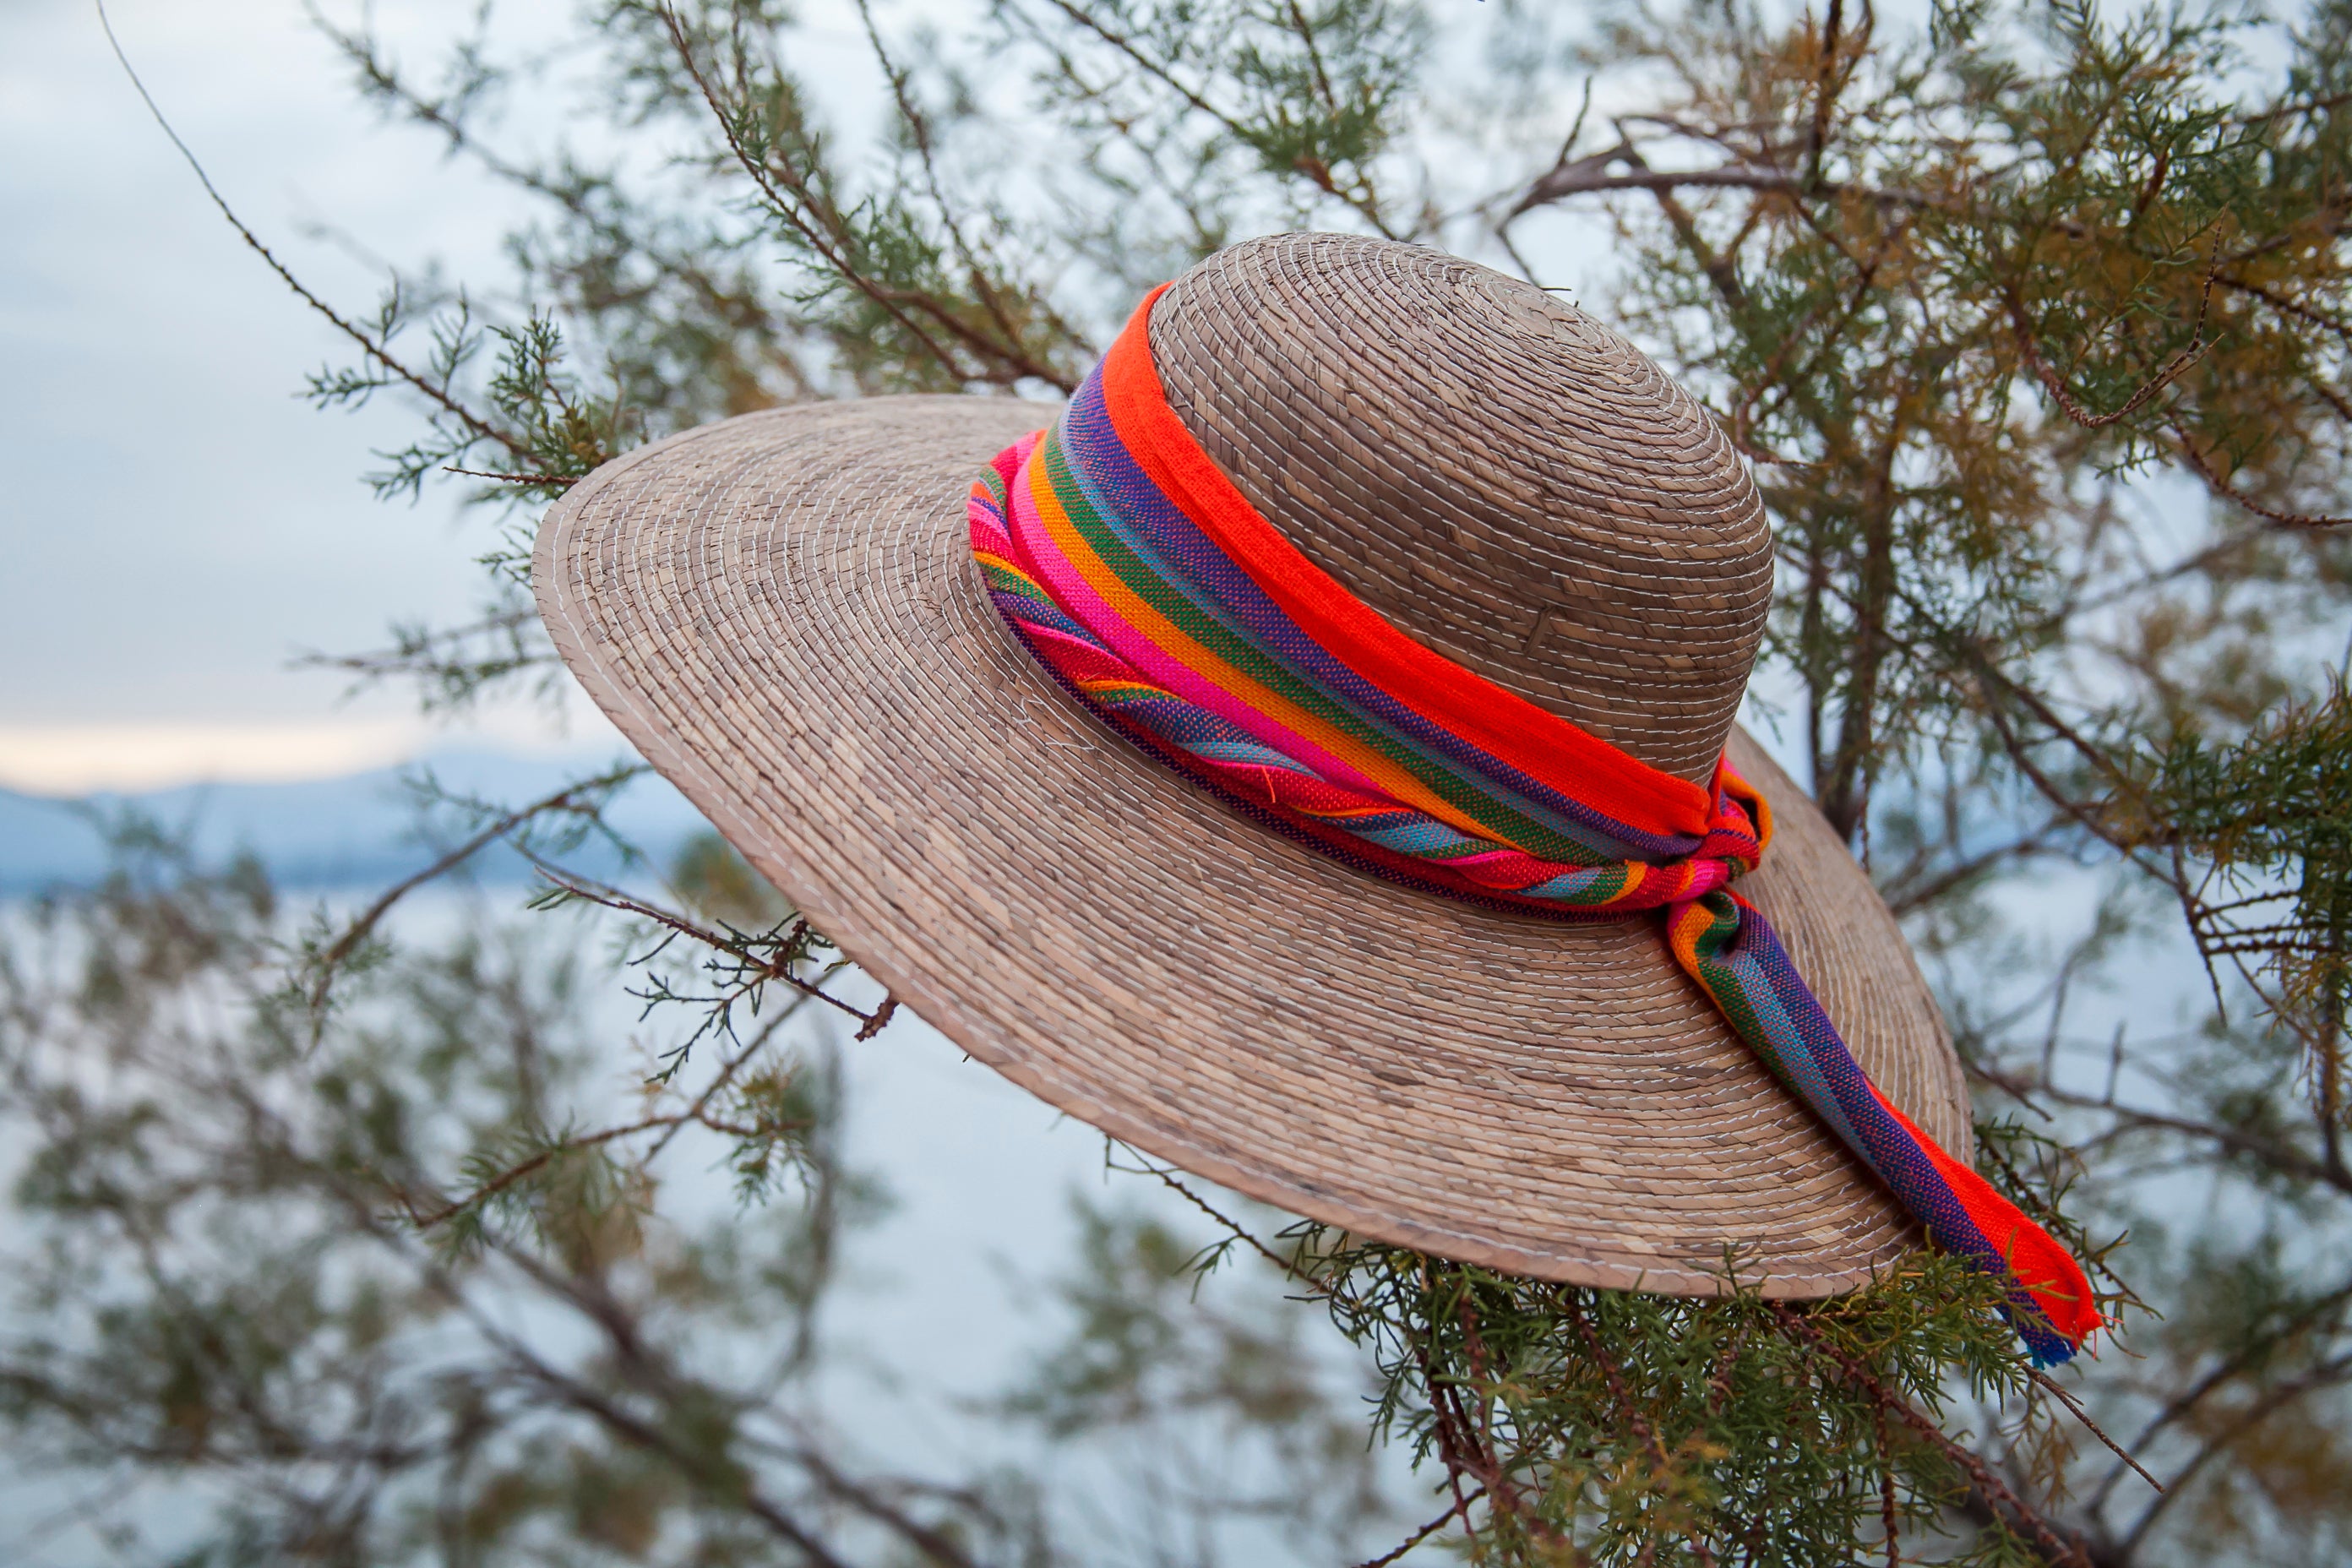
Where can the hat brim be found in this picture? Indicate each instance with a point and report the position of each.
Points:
(781, 612)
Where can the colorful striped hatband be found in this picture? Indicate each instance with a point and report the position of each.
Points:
(1137, 574)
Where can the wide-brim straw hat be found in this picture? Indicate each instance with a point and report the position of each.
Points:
(781, 613)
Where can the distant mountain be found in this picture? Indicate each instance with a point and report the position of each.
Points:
(344, 832)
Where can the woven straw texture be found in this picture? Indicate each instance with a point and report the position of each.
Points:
(781, 612)
(1492, 469)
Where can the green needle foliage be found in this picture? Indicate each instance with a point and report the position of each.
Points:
(1599, 1426)
(2036, 325)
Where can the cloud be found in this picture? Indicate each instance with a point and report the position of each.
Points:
(76, 759)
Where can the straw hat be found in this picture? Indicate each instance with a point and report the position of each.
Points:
(781, 613)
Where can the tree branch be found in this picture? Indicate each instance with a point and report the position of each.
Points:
(328, 963)
(2222, 487)
(2282, 1158)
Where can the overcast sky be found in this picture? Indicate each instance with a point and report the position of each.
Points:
(178, 523)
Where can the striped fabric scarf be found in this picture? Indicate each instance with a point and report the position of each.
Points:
(1137, 574)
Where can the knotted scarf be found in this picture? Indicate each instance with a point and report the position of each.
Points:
(1143, 581)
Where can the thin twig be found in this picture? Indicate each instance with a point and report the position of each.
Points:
(918, 126)
(373, 349)
(2251, 1355)
(651, 1436)
(1996, 1491)
(1459, 1509)
(2283, 1158)
(597, 893)
(2222, 487)
(556, 480)
(2274, 1399)
(1014, 362)
(2172, 370)
(1589, 175)
(1887, 1519)
(332, 959)
(881, 1017)
(539, 1162)
(1635, 1419)
(824, 245)
(1824, 92)
(1145, 1165)
(726, 1074)
(2076, 1408)
(1365, 204)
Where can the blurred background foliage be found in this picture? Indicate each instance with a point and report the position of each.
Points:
(2033, 321)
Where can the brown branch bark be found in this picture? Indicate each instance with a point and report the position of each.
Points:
(557, 481)
(763, 970)
(2171, 371)
(1845, 794)
(1903, 896)
(2219, 484)
(1996, 1492)
(1459, 1509)
(1591, 176)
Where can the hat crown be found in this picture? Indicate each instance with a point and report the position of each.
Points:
(1504, 478)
